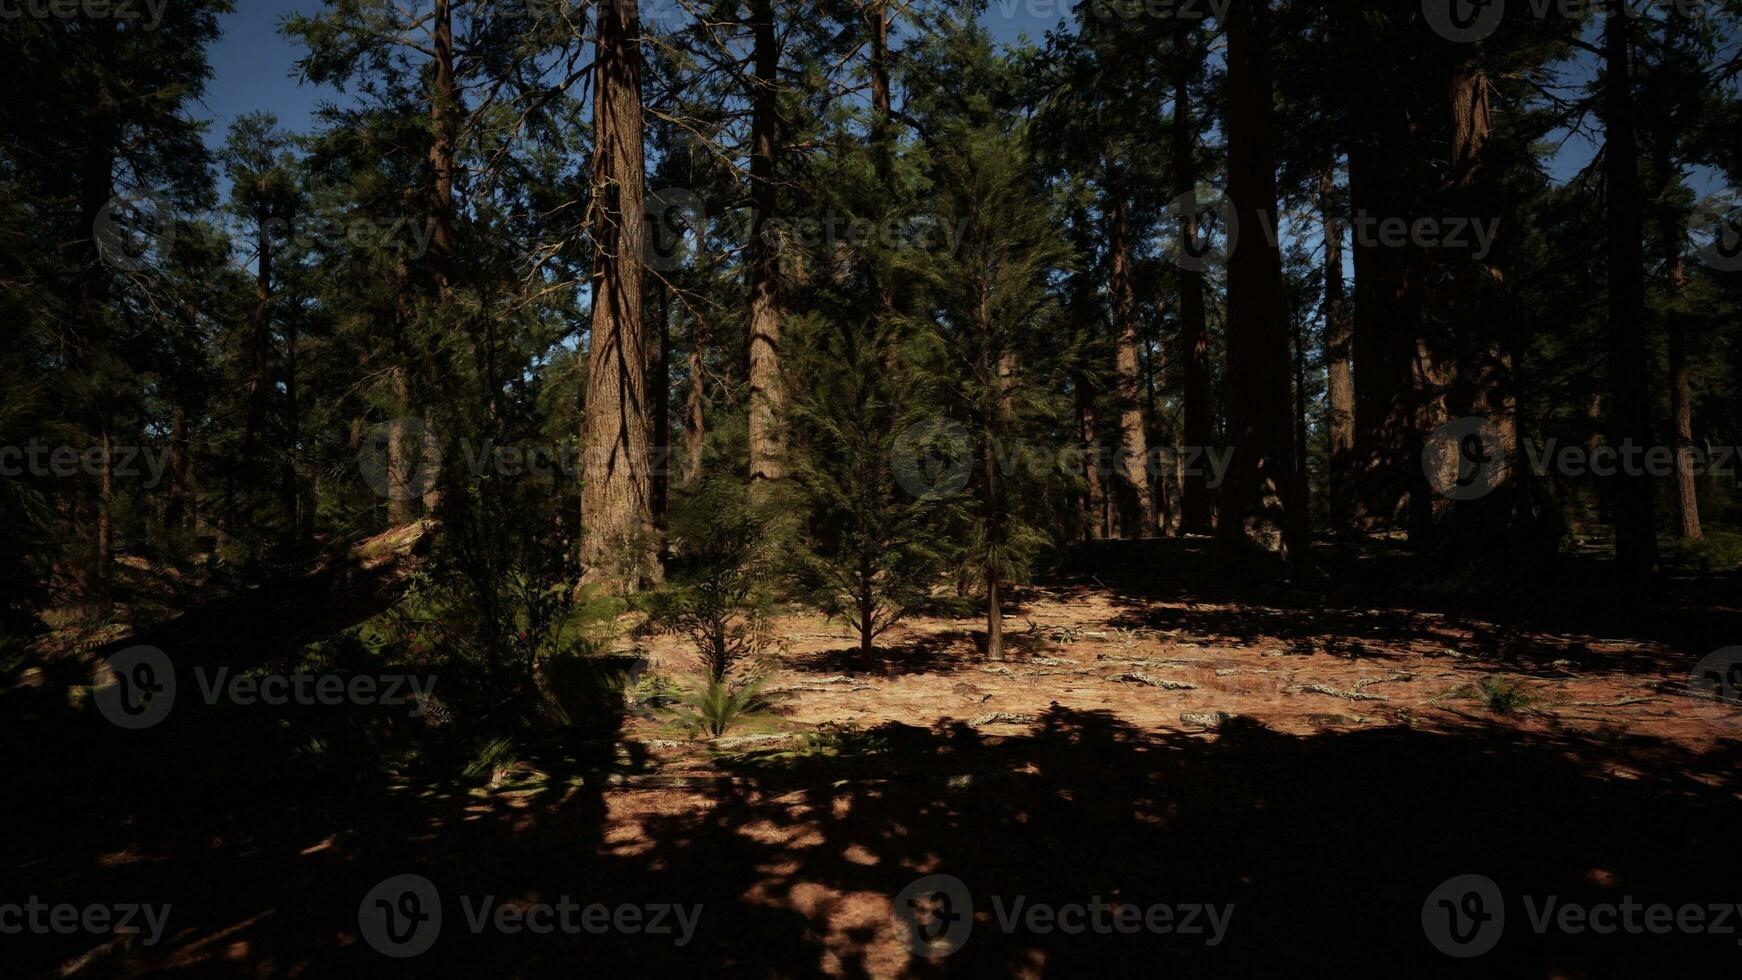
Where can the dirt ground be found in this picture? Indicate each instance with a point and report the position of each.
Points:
(1082, 649)
(1318, 762)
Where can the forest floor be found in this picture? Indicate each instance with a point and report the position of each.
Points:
(1192, 668)
(1316, 761)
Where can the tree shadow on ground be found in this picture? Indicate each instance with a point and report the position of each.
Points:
(1527, 629)
(934, 653)
(1327, 846)
(945, 652)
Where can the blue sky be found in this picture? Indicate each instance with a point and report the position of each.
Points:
(253, 69)
(253, 65)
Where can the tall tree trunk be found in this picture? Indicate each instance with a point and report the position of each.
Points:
(404, 441)
(998, 373)
(1087, 325)
(1427, 401)
(1430, 371)
(444, 102)
(289, 479)
(994, 611)
(443, 108)
(1386, 323)
(616, 500)
(695, 404)
(1160, 501)
(1680, 383)
(1136, 514)
(95, 191)
(1300, 398)
(1630, 430)
(659, 398)
(404, 454)
(175, 506)
(1263, 502)
(1472, 123)
(882, 283)
(1339, 376)
(1095, 499)
(259, 348)
(1603, 490)
(432, 494)
(1492, 527)
(1194, 339)
(1485, 386)
(1526, 509)
(106, 508)
(1681, 407)
(255, 468)
(994, 528)
(882, 114)
(767, 394)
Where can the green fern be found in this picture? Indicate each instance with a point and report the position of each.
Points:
(492, 756)
(1504, 696)
(713, 707)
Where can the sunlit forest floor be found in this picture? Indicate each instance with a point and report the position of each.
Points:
(1162, 732)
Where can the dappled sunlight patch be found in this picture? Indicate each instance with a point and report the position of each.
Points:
(123, 857)
(859, 854)
(223, 944)
(1032, 966)
(329, 844)
(856, 929)
(628, 839)
(768, 832)
(925, 864)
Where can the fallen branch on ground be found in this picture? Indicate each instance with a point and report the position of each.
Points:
(1140, 678)
(1624, 702)
(1001, 718)
(1345, 695)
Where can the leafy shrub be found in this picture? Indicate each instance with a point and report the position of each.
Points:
(581, 687)
(652, 690)
(1502, 696)
(714, 706)
(1719, 551)
(719, 593)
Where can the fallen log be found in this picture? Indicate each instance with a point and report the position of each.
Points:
(267, 622)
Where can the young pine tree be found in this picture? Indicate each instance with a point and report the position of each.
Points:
(871, 550)
(991, 288)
